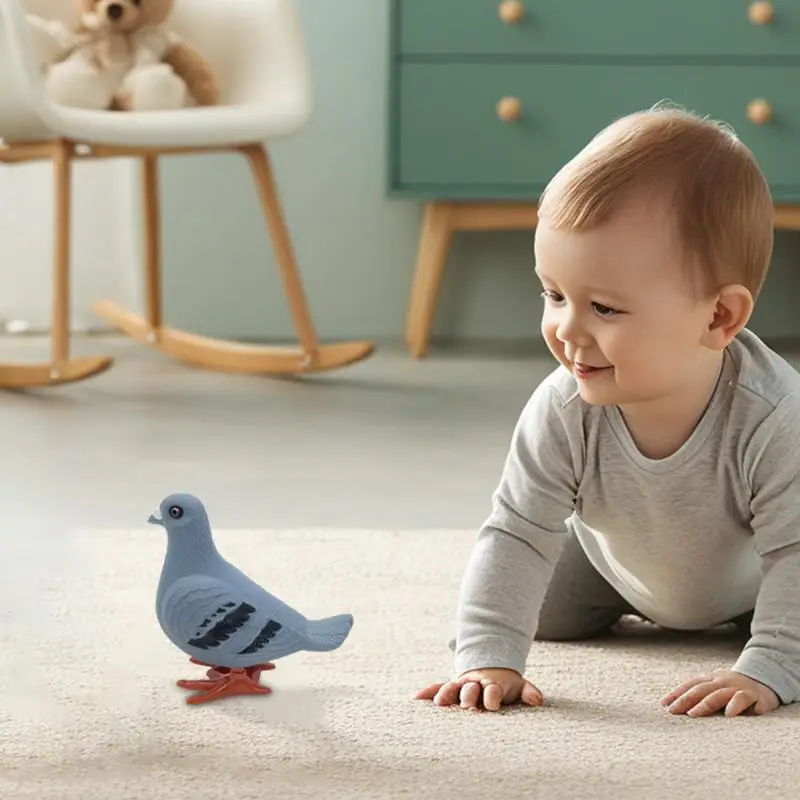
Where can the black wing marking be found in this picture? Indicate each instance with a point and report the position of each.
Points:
(208, 620)
(267, 633)
(225, 628)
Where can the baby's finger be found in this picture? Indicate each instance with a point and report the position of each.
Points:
(448, 694)
(690, 699)
(764, 706)
(684, 687)
(493, 696)
(429, 692)
(739, 703)
(712, 702)
(470, 694)
(531, 696)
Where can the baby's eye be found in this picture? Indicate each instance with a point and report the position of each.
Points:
(554, 297)
(604, 311)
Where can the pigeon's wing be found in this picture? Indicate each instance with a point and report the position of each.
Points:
(210, 616)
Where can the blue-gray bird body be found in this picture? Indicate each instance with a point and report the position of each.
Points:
(215, 613)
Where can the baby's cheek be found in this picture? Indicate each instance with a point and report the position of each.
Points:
(548, 329)
(552, 341)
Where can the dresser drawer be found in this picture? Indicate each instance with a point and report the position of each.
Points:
(643, 28)
(450, 141)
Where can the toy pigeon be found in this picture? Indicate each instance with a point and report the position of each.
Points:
(221, 618)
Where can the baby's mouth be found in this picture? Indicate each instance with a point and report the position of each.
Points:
(584, 370)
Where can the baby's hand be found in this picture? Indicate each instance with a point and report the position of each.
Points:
(483, 688)
(736, 693)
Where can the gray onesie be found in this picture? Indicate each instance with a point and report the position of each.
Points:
(689, 541)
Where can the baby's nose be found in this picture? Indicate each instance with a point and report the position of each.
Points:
(115, 11)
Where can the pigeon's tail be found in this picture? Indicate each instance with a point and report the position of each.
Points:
(329, 633)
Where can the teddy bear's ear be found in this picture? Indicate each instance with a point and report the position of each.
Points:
(87, 16)
(155, 12)
(90, 21)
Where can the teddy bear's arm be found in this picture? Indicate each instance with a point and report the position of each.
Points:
(151, 46)
(189, 65)
(146, 56)
(53, 41)
(195, 71)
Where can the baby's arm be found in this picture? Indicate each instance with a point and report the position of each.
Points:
(772, 656)
(507, 574)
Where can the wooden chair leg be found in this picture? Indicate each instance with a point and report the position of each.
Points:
(60, 369)
(151, 214)
(261, 168)
(434, 245)
(62, 246)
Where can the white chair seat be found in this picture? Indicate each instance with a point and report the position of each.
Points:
(256, 48)
(196, 127)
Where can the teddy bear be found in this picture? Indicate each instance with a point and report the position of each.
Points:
(121, 56)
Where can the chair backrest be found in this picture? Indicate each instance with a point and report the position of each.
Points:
(63, 10)
(256, 47)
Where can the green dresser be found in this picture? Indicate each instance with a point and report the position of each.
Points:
(488, 98)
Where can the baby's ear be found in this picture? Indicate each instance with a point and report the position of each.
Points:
(732, 311)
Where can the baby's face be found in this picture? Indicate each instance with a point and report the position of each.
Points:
(618, 299)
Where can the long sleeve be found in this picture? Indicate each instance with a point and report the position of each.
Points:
(772, 655)
(510, 566)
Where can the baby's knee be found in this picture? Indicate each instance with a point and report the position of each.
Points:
(567, 628)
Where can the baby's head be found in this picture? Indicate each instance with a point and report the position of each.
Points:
(652, 245)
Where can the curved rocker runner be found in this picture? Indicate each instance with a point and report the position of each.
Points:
(310, 356)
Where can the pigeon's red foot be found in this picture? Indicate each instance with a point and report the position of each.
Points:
(226, 682)
(215, 672)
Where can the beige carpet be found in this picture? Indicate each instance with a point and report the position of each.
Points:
(88, 702)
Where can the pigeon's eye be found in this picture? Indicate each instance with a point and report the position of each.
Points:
(176, 512)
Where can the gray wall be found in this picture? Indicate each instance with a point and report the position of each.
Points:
(219, 271)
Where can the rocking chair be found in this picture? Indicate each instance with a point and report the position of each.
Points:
(258, 51)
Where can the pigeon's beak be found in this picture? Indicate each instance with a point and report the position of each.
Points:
(154, 519)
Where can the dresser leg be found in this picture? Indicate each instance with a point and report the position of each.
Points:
(787, 217)
(434, 245)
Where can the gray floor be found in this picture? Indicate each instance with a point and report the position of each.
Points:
(388, 443)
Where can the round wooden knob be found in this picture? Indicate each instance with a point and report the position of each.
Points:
(759, 111)
(511, 11)
(509, 109)
(761, 12)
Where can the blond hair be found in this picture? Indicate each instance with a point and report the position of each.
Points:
(719, 197)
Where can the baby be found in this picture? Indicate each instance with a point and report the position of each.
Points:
(656, 471)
